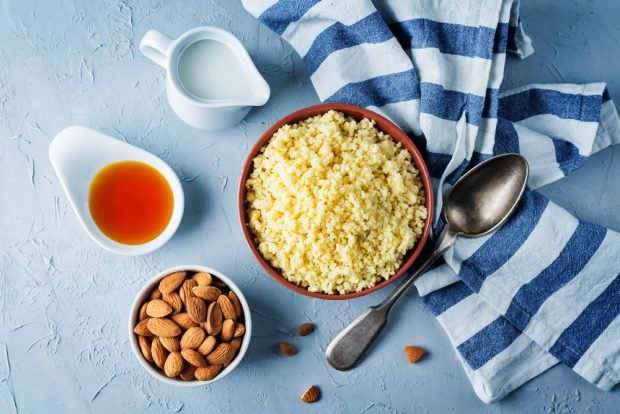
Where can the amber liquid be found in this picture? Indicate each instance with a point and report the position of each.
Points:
(131, 202)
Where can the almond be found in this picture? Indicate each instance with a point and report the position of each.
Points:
(171, 343)
(209, 293)
(236, 303)
(183, 320)
(174, 365)
(163, 327)
(142, 316)
(193, 357)
(311, 395)
(239, 330)
(305, 329)
(228, 330)
(145, 347)
(222, 354)
(174, 300)
(188, 373)
(214, 319)
(208, 373)
(207, 345)
(236, 344)
(218, 283)
(196, 309)
(228, 310)
(287, 349)
(157, 308)
(171, 282)
(202, 278)
(142, 328)
(158, 353)
(186, 289)
(193, 338)
(414, 353)
(155, 294)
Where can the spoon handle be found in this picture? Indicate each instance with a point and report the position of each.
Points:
(351, 344)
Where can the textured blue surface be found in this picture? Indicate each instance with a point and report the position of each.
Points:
(64, 301)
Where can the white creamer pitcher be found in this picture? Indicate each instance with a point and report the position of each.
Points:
(211, 81)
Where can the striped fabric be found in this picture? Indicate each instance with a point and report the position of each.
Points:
(546, 286)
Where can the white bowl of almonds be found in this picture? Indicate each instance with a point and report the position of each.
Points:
(190, 326)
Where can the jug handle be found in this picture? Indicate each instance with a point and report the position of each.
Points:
(154, 45)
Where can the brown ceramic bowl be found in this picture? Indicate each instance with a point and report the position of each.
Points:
(382, 124)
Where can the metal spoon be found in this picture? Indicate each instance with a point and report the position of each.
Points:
(480, 202)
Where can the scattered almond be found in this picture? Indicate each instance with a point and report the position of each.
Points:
(174, 365)
(414, 353)
(208, 373)
(172, 282)
(287, 349)
(183, 320)
(228, 310)
(311, 395)
(142, 316)
(145, 347)
(163, 327)
(186, 289)
(157, 308)
(159, 353)
(207, 345)
(142, 328)
(193, 357)
(222, 354)
(193, 338)
(203, 278)
(234, 299)
(174, 300)
(196, 309)
(214, 319)
(228, 330)
(188, 374)
(305, 329)
(155, 294)
(208, 293)
(171, 343)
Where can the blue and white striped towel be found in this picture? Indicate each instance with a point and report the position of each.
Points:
(546, 286)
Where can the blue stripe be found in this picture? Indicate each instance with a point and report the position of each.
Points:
(505, 242)
(592, 322)
(488, 342)
(506, 138)
(436, 162)
(533, 102)
(371, 29)
(443, 299)
(491, 103)
(450, 105)
(379, 91)
(284, 12)
(567, 155)
(501, 38)
(511, 42)
(476, 158)
(454, 39)
(579, 249)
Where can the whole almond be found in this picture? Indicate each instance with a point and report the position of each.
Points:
(207, 345)
(142, 328)
(414, 353)
(236, 344)
(236, 303)
(171, 282)
(186, 289)
(183, 320)
(311, 395)
(222, 354)
(158, 353)
(171, 343)
(193, 338)
(305, 329)
(208, 293)
(208, 373)
(145, 347)
(193, 357)
(196, 308)
(174, 365)
(142, 316)
(228, 310)
(157, 308)
(155, 294)
(163, 327)
(214, 319)
(202, 278)
(287, 349)
(228, 330)
(188, 373)
(239, 330)
(218, 283)
(174, 300)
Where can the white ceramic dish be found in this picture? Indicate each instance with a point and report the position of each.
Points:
(146, 291)
(78, 153)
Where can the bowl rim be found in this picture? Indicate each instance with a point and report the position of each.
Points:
(383, 124)
(141, 297)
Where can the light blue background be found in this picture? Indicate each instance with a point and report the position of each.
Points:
(64, 301)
